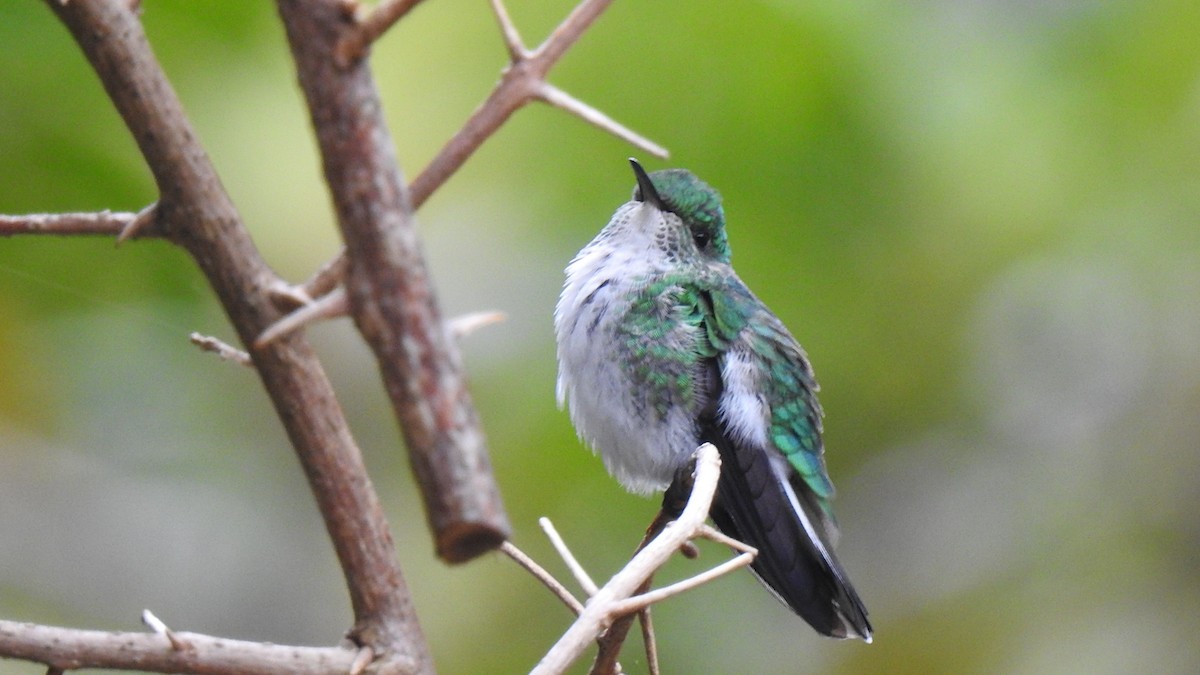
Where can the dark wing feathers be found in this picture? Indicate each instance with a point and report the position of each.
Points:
(776, 498)
(752, 506)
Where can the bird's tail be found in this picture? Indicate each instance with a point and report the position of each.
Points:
(767, 506)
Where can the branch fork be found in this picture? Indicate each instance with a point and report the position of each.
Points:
(522, 81)
(626, 593)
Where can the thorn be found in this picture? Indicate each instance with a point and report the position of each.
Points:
(558, 98)
(512, 38)
(327, 277)
(156, 624)
(144, 219)
(289, 296)
(329, 306)
(688, 550)
(362, 659)
(462, 326)
(221, 349)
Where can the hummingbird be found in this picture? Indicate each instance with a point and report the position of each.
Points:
(661, 348)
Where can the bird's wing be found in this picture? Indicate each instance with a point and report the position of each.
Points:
(774, 491)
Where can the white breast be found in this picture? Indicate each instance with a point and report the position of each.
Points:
(640, 451)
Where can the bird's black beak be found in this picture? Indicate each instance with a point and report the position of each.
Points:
(646, 192)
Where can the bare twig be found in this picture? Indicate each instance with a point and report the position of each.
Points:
(581, 576)
(649, 641)
(638, 602)
(558, 98)
(99, 223)
(71, 649)
(605, 605)
(221, 349)
(510, 549)
(610, 642)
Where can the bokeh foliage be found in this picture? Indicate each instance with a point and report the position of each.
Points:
(981, 219)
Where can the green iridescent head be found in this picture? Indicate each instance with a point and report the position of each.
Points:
(678, 191)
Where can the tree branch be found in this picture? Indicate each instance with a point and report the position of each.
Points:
(72, 649)
(390, 292)
(195, 212)
(521, 83)
(100, 223)
(611, 601)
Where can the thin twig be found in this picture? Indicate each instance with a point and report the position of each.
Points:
(100, 223)
(581, 576)
(649, 641)
(560, 99)
(327, 277)
(638, 602)
(599, 611)
(610, 642)
(73, 649)
(510, 549)
(508, 30)
(145, 219)
(221, 349)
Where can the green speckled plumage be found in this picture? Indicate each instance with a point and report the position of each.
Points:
(678, 321)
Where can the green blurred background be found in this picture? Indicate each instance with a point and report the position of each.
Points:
(980, 218)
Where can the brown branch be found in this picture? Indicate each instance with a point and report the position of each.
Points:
(553, 585)
(67, 649)
(101, 223)
(391, 294)
(521, 83)
(195, 212)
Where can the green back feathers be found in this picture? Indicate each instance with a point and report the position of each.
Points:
(795, 412)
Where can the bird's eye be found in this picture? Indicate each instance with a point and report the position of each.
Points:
(701, 239)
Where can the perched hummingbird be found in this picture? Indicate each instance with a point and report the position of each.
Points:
(662, 348)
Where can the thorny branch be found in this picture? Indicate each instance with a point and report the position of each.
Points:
(105, 223)
(194, 212)
(624, 593)
(71, 649)
(522, 82)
